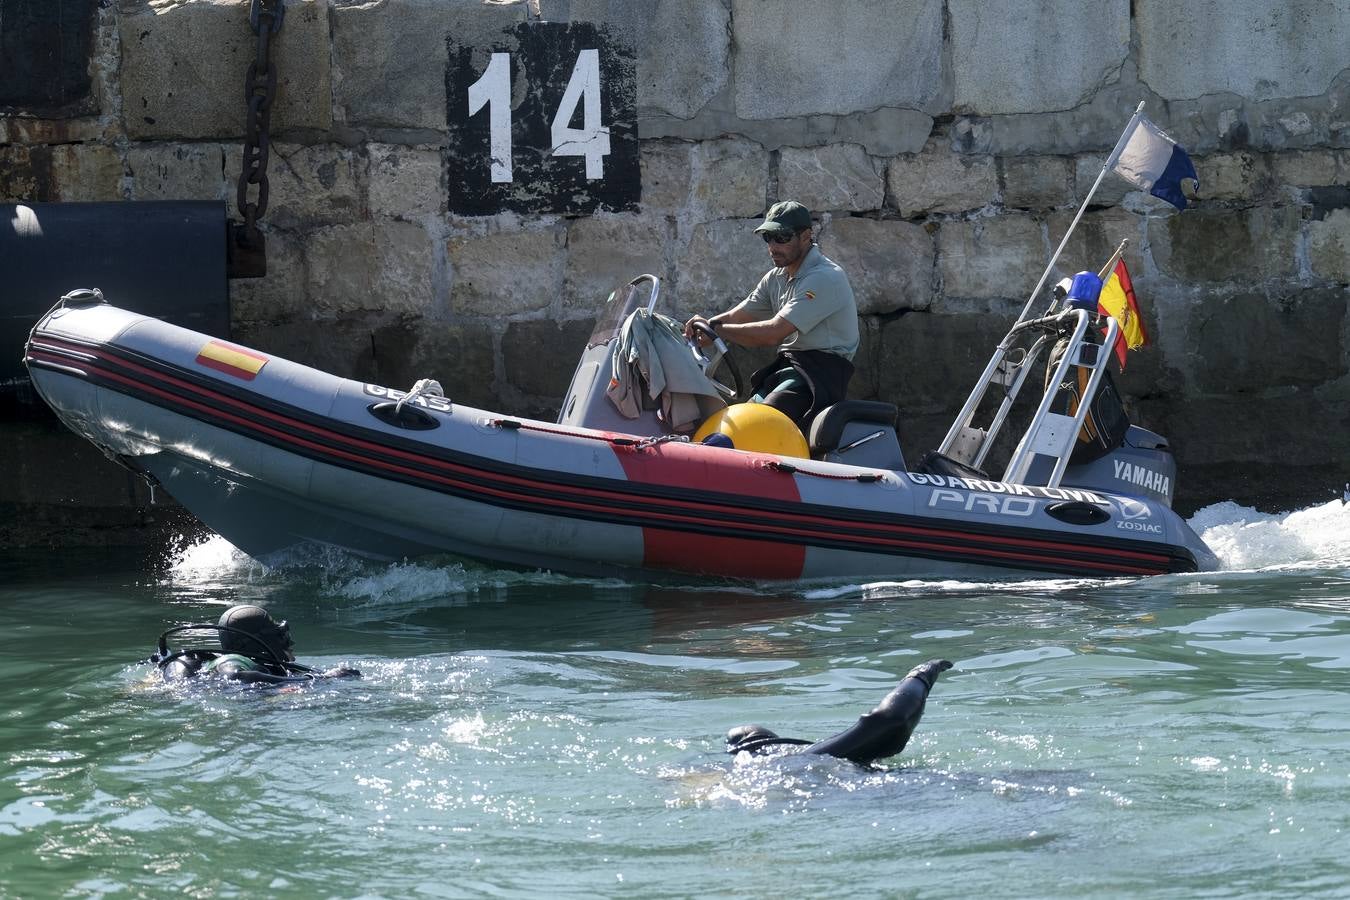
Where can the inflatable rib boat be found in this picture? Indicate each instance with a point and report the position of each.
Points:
(271, 454)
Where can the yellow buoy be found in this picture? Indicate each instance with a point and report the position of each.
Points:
(756, 427)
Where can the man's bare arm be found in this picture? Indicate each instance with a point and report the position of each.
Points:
(768, 333)
(737, 313)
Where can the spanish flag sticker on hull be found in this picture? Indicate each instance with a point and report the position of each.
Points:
(231, 360)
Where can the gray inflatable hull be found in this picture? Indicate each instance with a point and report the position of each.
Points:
(272, 454)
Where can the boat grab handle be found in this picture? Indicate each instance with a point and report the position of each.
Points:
(656, 288)
(410, 417)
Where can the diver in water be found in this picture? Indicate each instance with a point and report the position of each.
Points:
(881, 733)
(254, 649)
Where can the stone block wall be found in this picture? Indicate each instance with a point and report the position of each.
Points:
(944, 146)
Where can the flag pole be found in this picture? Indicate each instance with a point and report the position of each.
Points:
(1082, 207)
(1115, 257)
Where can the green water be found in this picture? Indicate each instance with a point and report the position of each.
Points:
(528, 734)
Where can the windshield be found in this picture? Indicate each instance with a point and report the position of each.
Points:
(620, 305)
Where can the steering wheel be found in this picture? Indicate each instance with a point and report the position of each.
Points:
(722, 357)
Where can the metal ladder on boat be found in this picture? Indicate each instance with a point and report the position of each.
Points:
(1049, 439)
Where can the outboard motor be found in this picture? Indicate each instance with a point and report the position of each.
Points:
(1142, 465)
(1110, 454)
(1079, 435)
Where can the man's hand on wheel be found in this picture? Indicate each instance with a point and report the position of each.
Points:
(693, 333)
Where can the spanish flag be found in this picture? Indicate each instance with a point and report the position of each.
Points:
(1117, 301)
(232, 360)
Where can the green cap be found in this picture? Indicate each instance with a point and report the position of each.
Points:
(788, 217)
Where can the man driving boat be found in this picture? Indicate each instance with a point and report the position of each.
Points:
(805, 306)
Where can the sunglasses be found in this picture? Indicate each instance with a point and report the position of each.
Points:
(779, 238)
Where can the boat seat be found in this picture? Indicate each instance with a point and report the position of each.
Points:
(829, 423)
(840, 424)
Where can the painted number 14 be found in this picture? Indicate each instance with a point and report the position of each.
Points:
(591, 140)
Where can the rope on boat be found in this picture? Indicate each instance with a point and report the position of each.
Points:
(429, 387)
(663, 439)
(790, 469)
(636, 444)
(640, 445)
(513, 425)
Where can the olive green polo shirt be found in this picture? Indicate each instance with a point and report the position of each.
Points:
(817, 301)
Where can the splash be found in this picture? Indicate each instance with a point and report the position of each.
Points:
(1243, 538)
(412, 583)
(207, 561)
(919, 588)
(881, 590)
(409, 582)
(215, 562)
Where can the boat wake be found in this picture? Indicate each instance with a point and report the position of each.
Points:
(357, 582)
(1313, 538)
(1244, 539)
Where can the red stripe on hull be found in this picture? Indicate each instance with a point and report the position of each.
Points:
(714, 469)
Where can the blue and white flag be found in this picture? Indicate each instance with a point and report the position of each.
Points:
(1154, 162)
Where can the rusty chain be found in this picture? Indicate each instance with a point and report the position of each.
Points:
(248, 257)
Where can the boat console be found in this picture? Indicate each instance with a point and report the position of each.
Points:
(853, 432)
(586, 404)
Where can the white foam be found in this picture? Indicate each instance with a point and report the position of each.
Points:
(884, 590)
(208, 561)
(881, 590)
(408, 583)
(1244, 538)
